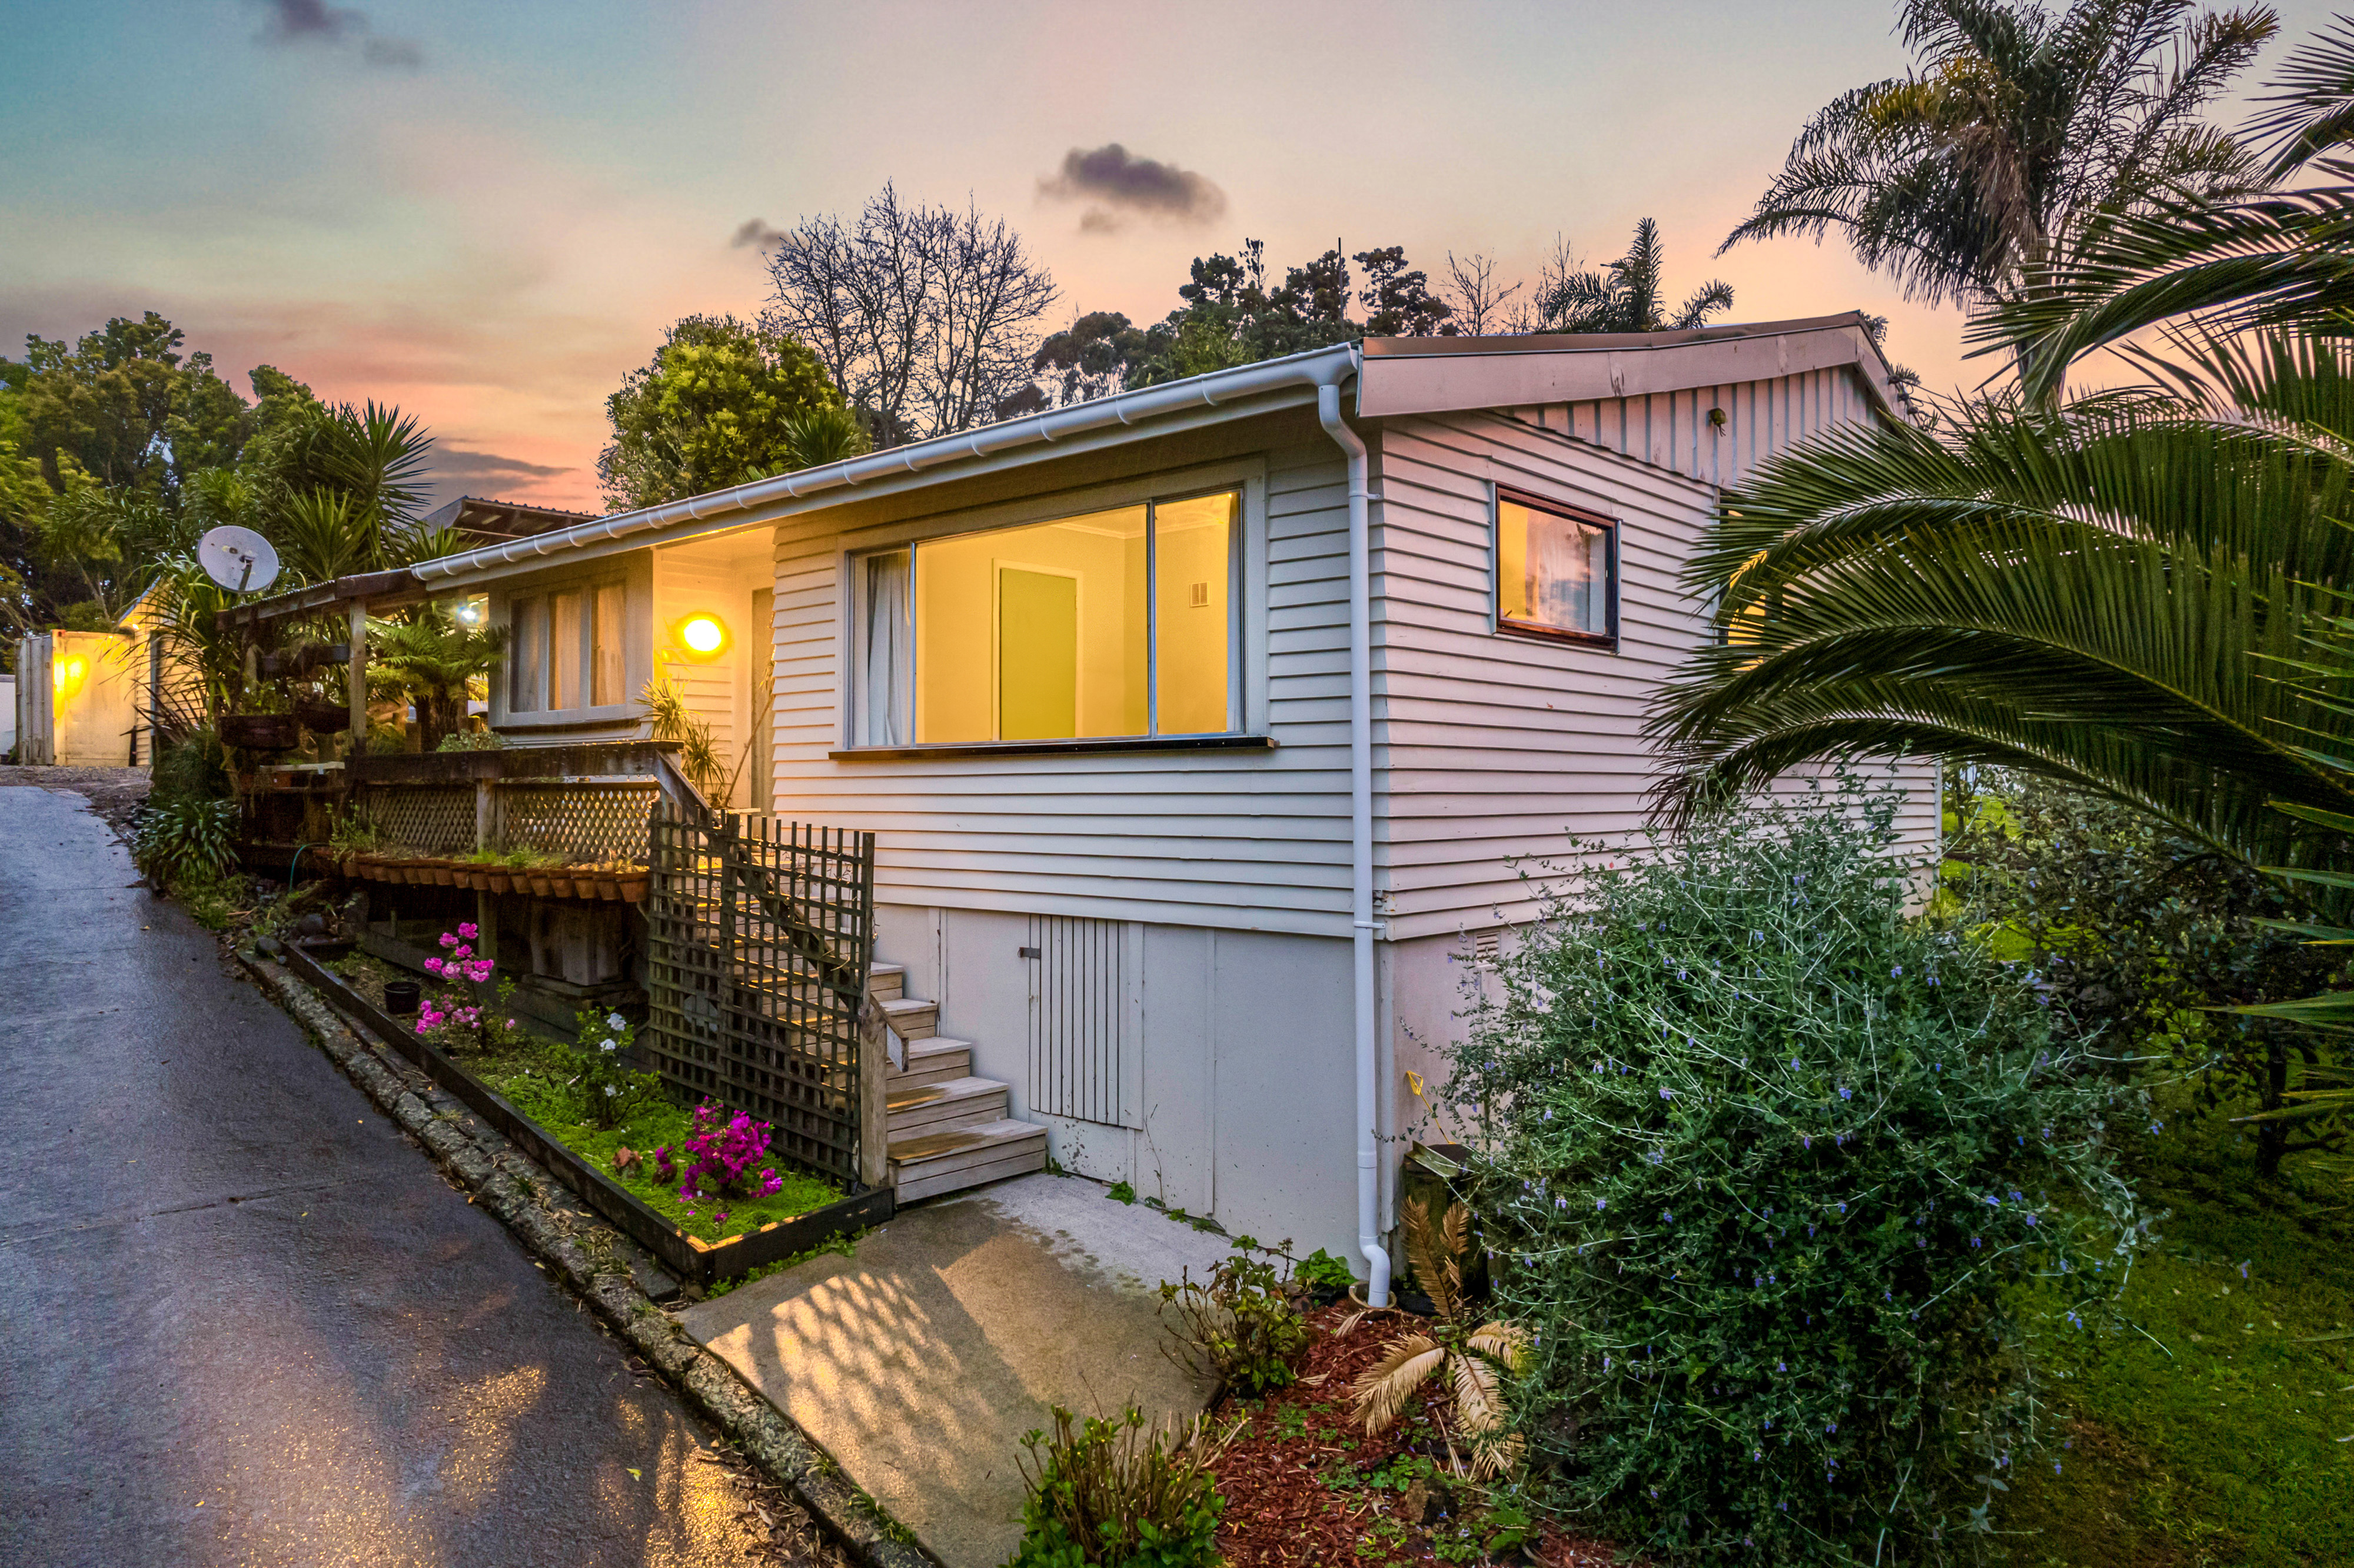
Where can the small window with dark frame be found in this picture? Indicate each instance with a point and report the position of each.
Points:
(1556, 571)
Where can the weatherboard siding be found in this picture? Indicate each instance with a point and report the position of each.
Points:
(1246, 841)
(1492, 746)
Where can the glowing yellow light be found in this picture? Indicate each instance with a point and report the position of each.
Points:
(703, 634)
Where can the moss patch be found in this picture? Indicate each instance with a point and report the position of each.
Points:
(2211, 1435)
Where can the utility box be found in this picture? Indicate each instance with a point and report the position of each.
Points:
(78, 699)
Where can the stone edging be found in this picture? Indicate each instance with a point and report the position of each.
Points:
(590, 1256)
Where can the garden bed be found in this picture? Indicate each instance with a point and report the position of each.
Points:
(505, 1089)
(1303, 1485)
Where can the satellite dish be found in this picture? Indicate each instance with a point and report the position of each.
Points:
(240, 560)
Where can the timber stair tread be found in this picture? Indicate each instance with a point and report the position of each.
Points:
(948, 1129)
(957, 1102)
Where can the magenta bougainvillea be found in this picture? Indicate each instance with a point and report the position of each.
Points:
(715, 1161)
(451, 1010)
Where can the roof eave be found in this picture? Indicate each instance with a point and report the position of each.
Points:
(1128, 415)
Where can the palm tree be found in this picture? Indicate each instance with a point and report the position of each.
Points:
(2107, 595)
(2016, 133)
(2277, 260)
(1629, 294)
(2122, 593)
(2142, 594)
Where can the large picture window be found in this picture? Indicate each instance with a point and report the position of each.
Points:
(1114, 624)
(1556, 571)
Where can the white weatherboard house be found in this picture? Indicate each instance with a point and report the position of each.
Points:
(1197, 724)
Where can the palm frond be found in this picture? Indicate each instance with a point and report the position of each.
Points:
(1382, 1390)
(1478, 1396)
(1506, 1343)
(2312, 101)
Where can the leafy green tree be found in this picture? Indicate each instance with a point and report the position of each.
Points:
(1234, 316)
(126, 407)
(2017, 134)
(2137, 934)
(719, 405)
(1629, 294)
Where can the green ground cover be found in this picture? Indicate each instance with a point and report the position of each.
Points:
(2219, 1429)
(537, 1077)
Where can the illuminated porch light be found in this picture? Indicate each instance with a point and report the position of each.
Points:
(702, 635)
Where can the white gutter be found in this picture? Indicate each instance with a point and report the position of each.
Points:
(1360, 840)
(1317, 369)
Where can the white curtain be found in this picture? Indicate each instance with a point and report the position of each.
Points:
(889, 674)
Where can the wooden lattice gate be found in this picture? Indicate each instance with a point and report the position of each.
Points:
(760, 935)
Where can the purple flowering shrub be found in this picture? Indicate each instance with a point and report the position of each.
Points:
(1786, 1182)
(717, 1158)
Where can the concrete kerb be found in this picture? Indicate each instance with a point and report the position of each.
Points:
(589, 1255)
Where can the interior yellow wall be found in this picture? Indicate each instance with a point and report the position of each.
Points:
(958, 584)
(1194, 540)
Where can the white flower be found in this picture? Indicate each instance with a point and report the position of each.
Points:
(616, 1023)
(608, 1088)
(608, 1045)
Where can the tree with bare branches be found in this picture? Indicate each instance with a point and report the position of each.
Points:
(925, 316)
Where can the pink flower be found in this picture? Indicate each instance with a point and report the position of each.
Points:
(434, 966)
(468, 930)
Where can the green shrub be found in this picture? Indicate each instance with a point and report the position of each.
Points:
(1768, 1161)
(1118, 1494)
(472, 740)
(1321, 1270)
(1243, 1326)
(184, 839)
(193, 768)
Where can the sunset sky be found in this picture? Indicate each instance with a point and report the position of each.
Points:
(487, 214)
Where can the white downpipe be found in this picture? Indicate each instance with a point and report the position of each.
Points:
(1360, 842)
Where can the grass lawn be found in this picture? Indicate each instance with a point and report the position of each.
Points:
(2212, 1436)
(535, 1076)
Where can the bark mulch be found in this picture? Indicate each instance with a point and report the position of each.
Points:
(1304, 1486)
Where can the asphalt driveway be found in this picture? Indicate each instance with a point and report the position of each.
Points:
(248, 1322)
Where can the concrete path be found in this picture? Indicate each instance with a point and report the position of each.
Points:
(241, 1319)
(921, 1363)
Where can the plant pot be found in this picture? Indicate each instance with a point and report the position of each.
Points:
(401, 997)
(498, 881)
(560, 885)
(321, 717)
(609, 886)
(633, 886)
(261, 732)
(539, 884)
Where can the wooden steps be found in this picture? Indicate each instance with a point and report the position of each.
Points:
(958, 1102)
(948, 1129)
(934, 1059)
(964, 1156)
